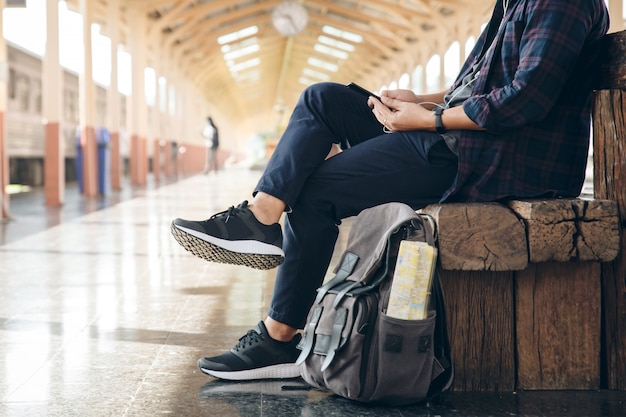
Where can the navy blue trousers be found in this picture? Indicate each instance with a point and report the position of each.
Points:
(413, 167)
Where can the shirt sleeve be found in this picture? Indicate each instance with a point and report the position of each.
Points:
(534, 59)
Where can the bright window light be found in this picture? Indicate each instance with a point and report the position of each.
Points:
(243, 65)
(349, 36)
(249, 76)
(243, 33)
(150, 85)
(335, 43)
(306, 81)
(239, 45)
(452, 63)
(331, 51)
(315, 74)
(125, 69)
(323, 64)
(404, 81)
(238, 53)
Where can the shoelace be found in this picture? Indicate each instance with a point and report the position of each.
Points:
(249, 339)
(231, 212)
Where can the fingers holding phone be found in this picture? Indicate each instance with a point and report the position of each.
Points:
(365, 93)
(379, 109)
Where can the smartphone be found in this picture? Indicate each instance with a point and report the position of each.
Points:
(361, 90)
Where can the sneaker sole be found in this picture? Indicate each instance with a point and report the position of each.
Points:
(214, 253)
(279, 387)
(282, 371)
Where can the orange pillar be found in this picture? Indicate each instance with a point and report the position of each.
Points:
(135, 160)
(138, 160)
(54, 165)
(86, 101)
(52, 79)
(90, 160)
(144, 157)
(116, 162)
(155, 128)
(156, 159)
(137, 108)
(113, 97)
(167, 154)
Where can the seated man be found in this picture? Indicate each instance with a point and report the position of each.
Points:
(515, 123)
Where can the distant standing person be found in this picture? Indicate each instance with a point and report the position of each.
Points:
(211, 136)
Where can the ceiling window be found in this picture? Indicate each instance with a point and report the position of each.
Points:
(348, 36)
(337, 44)
(323, 64)
(240, 34)
(238, 45)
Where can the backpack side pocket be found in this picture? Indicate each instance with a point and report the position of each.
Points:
(403, 359)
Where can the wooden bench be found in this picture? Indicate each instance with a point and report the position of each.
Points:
(536, 290)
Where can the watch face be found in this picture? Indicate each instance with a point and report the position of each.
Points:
(289, 18)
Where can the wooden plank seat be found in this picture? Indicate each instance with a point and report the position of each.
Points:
(498, 237)
(523, 288)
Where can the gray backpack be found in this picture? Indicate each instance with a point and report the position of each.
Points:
(350, 346)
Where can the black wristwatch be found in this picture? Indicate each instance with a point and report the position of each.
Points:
(438, 123)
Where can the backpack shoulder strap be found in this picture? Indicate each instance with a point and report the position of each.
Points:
(306, 344)
(343, 271)
(370, 232)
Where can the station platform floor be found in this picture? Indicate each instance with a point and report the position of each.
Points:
(103, 314)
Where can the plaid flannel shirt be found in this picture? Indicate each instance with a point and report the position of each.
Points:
(533, 98)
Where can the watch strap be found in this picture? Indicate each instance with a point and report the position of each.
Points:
(438, 123)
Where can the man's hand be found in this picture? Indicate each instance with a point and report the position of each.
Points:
(399, 110)
(402, 95)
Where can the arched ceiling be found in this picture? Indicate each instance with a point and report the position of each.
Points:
(395, 35)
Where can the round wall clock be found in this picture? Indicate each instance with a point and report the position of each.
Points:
(289, 18)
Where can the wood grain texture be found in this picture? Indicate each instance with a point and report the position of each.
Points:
(558, 326)
(479, 236)
(611, 69)
(480, 322)
(609, 154)
(565, 230)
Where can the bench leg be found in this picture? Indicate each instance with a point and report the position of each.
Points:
(480, 323)
(558, 324)
(614, 304)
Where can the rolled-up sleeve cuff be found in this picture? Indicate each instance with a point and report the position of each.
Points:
(478, 110)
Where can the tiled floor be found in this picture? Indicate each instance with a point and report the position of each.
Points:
(102, 314)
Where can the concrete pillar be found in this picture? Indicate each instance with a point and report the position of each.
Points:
(180, 123)
(113, 96)
(136, 109)
(442, 68)
(418, 83)
(156, 130)
(462, 49)
(52, 86)
(156, 159)
(168, 165)
(4, 157)
(86, 100)
(174, 109)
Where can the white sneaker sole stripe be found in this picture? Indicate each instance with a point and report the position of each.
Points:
(240, 246)
(282, 371)
(213, 253)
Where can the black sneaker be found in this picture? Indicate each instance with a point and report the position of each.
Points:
(233, 236)
(256, 356)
